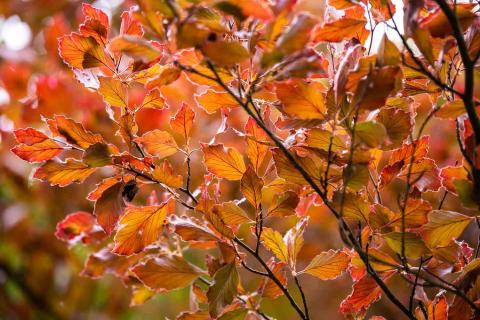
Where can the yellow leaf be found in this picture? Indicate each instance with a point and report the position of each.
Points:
(231, 213)
(225, 163)
(114, 92)
(166, 175)
(257, 146)
(158, 143)
(414, 246)
(139, 227)
(328, 265)
(273, 241)
(154, 100)
(444, 226)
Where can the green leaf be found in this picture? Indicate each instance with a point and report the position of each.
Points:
(222, 292)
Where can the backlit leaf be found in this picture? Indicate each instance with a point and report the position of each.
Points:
(224, 162)
(301, 100)
(139, 227)
(414, 246)
(109, 206)
(273, 241)
(225, 53)
(231, 213)
(166, 273)
(443, 227)
(182, 123)
(63, 173)
(83, 52)
(75, 133)
(165, 175)
(251, 186)
(158, 143)
(114, 92)
(283, 204)
(212, 100)
(328, 265)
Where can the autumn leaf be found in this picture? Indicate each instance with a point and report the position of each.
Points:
(109, 204)
(251, 186)
(154, 99)
(225, 53)
(158, 143)
(166, 273)
(182, 123)
(114, 92)
(78, 224)
(165, 175)
(135, 47)
(189, 230)
(96, 24)
(328, 265)
(104, 261)
(35, 146)
(364, 293)
(63, 173)
(351, 25)
(273, 241)
(212, 100)
(283, 204)
(83, 52)
(130, 25)
(257, 148)
(231, 213)
(139, 227)
(222, 292)
(74, 132)
(224, 162)
(414, 246)
(444, 226)
(301, 100)
(269, 289)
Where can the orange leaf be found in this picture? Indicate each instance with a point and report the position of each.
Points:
(182, 123)
(328, 265)
(166, 273)
(212, 100)
(154, 99)
(139, 227)
(231, 213)
(135, 47)
(74, 132)
(95, 25)
(251, 186)
(109, 204)
(36, 146)
(189, 230)
(224, 162)
(130, 25)
(283, 204)
(225, 53)
(351, 25)
(63, 173)
(301, 100)
(257, 147)
(365, 292)
(166, 175)
(74, 225)
(158, 143)
(83, 52)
